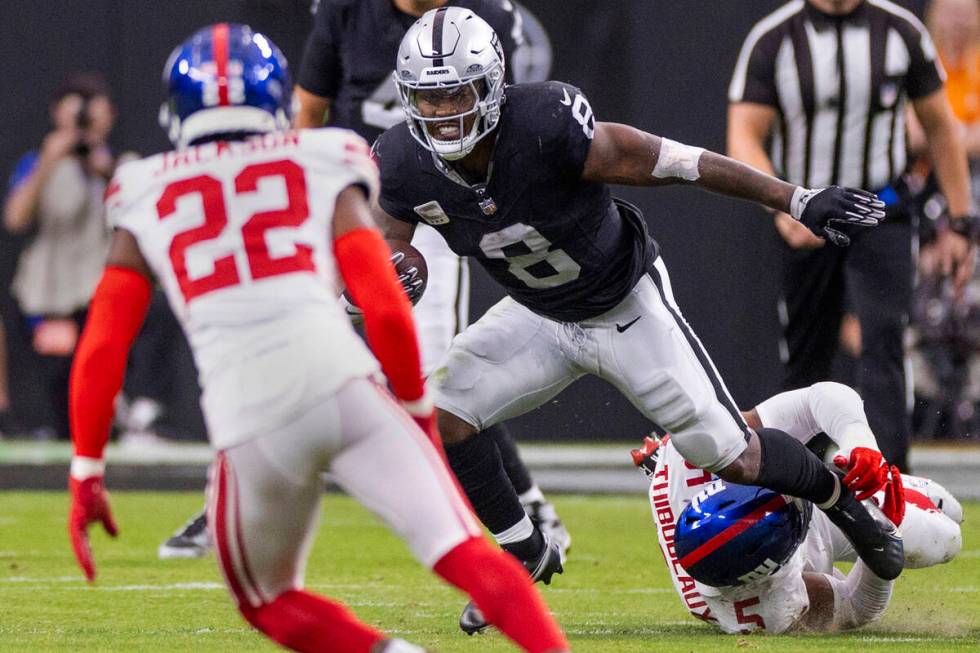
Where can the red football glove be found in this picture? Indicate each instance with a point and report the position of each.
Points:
(867, 471)
(894, 504)
(89, 503)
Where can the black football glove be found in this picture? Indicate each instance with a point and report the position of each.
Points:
(824, 210)
(408, 277)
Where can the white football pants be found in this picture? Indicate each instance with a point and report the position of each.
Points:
(264, 494)
(512, 360)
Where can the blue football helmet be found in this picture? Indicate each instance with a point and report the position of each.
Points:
(225, 79)
(731, 534)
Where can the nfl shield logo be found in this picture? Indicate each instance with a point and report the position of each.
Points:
(488, 206)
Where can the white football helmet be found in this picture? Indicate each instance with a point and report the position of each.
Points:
(451, 48)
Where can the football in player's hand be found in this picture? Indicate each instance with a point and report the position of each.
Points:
(410, 266)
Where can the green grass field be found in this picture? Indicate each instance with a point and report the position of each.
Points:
(614, 596)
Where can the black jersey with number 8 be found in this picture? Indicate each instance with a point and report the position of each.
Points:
(558, 244)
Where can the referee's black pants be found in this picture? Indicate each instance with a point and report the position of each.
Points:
(876, 274)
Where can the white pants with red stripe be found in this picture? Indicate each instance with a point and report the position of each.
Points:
(264, 495)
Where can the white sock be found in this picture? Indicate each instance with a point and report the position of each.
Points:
(516, 533)
(532, 495)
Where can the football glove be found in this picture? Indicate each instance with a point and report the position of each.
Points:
(893, 505)
(867, 471)
(409, 278)
(825, 210)
(89, 504)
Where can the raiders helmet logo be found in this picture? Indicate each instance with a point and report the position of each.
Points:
(432, 213)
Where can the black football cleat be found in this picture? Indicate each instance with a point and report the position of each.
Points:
(877, 542)
(190, 541)
(471, 621)
(544, 516)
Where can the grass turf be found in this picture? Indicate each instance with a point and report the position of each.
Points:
(614, 596)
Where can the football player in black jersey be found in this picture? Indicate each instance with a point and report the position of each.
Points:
(517, 178)
(345, 81)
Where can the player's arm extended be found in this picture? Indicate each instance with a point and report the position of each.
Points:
(621, 154)
(115, 316)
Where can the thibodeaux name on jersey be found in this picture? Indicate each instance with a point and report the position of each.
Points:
(534, 197)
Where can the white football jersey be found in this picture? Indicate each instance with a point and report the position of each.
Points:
(778, 602)
(239, 235)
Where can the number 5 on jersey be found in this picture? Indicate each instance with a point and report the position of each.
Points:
(261, 264)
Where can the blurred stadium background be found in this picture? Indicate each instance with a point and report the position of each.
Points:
(662, 66)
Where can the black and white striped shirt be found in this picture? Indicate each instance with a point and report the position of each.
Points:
(840, 86)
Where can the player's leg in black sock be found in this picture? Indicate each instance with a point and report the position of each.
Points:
(788, 467)
(516, 470)
(476, 461)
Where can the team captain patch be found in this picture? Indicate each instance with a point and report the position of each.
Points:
(432, 213)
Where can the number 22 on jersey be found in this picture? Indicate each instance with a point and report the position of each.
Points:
(261, 263)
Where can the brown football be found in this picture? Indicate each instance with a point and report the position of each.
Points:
(413, 258)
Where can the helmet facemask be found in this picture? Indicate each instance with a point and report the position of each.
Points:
(442, 98)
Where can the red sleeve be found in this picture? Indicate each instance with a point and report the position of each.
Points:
(115, 316)
(363, 260)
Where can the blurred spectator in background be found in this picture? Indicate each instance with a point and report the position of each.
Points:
(946, 332)
(828, 82)
(56, 197)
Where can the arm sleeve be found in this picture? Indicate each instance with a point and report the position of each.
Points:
(363, 260)
(114, 319)
(925, 74)
(754, 77)
(831, 408)
(320, 70)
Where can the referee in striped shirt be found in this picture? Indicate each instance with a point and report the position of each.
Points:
(826, 83)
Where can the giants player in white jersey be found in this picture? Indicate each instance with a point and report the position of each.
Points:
(246, 228)
(805, 590)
